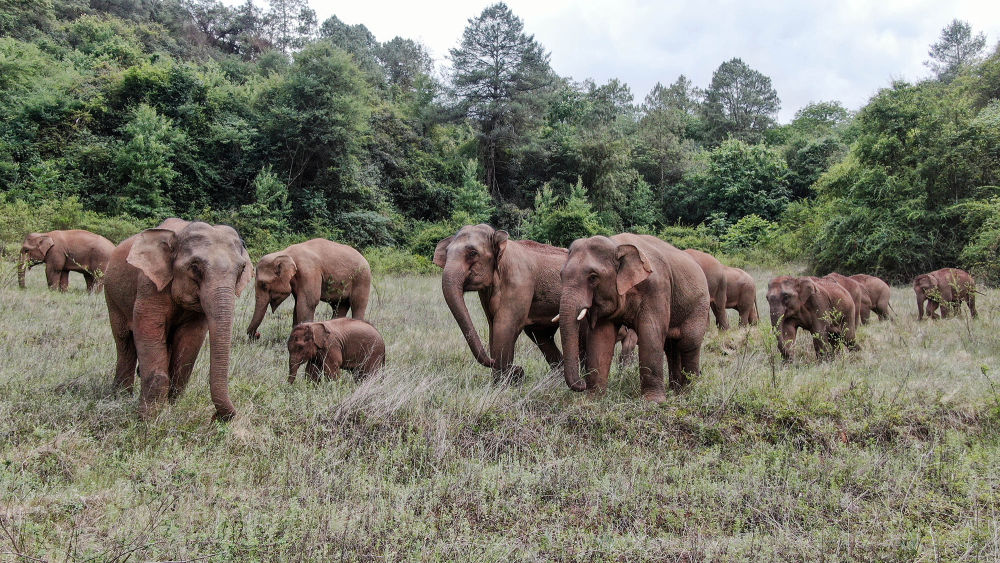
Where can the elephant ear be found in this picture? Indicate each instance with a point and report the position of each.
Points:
(248, 270)
(633, 267)
(153, 253)
(441, 251)
(284, 267)
(500, 239)
(318, 333)
(45, 244)
(807, 288)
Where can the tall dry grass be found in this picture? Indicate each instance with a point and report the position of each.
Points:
(888, 453)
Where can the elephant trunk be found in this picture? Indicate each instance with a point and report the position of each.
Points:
(260, 308)
(920, 303)
(218, 308)
(293, 367)
(451, 285)
(569, 329)
(22, 268)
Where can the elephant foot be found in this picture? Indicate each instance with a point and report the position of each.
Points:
(223, 416)
(253, 336)
(655, 396)
(512, 375)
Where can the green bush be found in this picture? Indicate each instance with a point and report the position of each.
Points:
(385, 260)
(699, 238)
(749, 232)
(559, 223)
(18, 218)
(425, 239)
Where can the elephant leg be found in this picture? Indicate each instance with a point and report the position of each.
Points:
(313, 370)
(52, 276)
(719, 310)
(820, 345)
(503, 336)
(786, 339)
(332, 363)
(688, 352)
(305, 310)
(125, 366)
(341, 309)
(89, 279)
(971, 302)
(652, 346)
(627, 354)
(64, 280)
(544, 338)
(150, 330)
(185, 343)
(359, 298)
(931, 308)
(600, 351)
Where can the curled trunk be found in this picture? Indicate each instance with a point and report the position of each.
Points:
(451, 286)
(219, 310)
(569, 329)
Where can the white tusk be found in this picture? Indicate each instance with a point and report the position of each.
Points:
(555, 319)
(583, 313)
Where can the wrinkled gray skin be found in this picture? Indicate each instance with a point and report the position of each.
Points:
(642, 283)
(64, 252)
(878, 292)
(166, 288)
(715, 275)
(820, 306)
(945, 288)
(741, 294)
(327, 347)
(857, 291)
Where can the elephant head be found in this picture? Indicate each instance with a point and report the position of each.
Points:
(595, 280)
(202, 268)
(304, 343)
(926, 287)
(469, 260)
(274, 285)
(34, 249)
(787, 296)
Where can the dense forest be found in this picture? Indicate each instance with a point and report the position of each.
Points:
(117, 113)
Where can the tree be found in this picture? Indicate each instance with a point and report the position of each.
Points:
(739, 180)
(404, 61)
(292, 23)
(739, 103)
(356, 40)
(494, 69)
(956, 48)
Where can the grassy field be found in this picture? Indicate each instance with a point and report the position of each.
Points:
(888, 453)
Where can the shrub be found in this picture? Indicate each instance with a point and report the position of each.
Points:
(561, 222)
(386, 260)
(699, 238)
(749, 232)
(426, 238)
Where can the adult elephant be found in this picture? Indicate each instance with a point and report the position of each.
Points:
(741, 294)
(878, 293)
(715, 274)
(946, 288)
(64, 252)
(166, 287)
(518, 285)
(857, 291)
(645, 284)
(313, 271)
(818, 305)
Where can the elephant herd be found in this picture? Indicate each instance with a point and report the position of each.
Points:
(167, 288)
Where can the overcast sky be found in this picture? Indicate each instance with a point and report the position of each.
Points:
(812, 50)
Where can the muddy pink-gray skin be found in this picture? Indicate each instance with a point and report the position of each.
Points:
(518, 286)
(329, 346)
(741, 294)
(645, 284)
(878, 293)
(820, 306)
(64, 252)
(862, 303)
(715, 275)
(945, 288)
(313, 271)
(166, 288)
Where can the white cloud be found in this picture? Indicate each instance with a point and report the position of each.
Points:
(812, 51)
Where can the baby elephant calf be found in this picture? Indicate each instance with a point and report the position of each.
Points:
(338, 343)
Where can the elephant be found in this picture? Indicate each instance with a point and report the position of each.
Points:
(946, 288)
(715, 273)
(629, 340)
(313, 271)
(166, 287)
(818, 305)
(645, 284)
(518, 285)
(878, 294)
(858, 292)
(741, 294)
(64, 252)
(326, 347)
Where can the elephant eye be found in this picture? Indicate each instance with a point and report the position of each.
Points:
(196, 269)
(473, 253)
